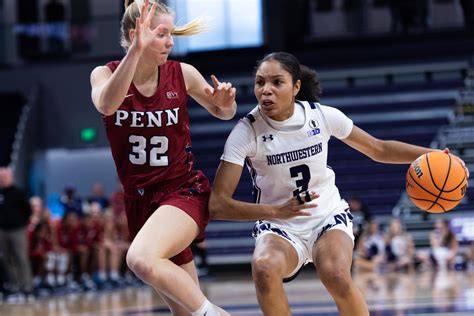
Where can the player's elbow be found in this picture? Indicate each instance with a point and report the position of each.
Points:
(105, 110)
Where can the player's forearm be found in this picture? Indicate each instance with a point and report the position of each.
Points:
(114, 92)
(227, 208)
(396, 152)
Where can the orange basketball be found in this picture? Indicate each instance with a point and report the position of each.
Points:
(436, 182)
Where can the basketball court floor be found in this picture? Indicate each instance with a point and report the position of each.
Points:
(427, 293)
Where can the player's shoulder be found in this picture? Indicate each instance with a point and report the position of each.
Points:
(100, 73)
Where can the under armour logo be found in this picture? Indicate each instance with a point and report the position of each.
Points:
(270, 137)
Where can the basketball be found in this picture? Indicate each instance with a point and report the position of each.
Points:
(436, 182)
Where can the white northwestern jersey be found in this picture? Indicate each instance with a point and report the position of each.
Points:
(284, 163)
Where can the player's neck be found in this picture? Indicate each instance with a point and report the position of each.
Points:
(145, 74)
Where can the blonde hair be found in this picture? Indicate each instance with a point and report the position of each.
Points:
(132, 12)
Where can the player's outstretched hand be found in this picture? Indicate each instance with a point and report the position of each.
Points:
(144, 35)
(223, 94)
(296, 206)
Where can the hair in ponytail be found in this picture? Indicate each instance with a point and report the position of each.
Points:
(132, 13)
(310, 89)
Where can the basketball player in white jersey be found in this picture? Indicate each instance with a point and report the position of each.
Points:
(284, 142)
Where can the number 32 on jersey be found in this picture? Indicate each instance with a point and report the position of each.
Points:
(152, 153)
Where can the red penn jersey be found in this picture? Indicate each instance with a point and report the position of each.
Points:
(149, 136)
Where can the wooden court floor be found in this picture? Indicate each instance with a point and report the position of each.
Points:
(427, 293)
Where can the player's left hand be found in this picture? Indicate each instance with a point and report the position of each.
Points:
(222, 95)
(446, 150)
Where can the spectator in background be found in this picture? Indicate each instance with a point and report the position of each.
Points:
(37, 211)
(370, 249)
(40, 245)
(71, 202)
(68, 241)
(470, 257)
(361, 214)
(15, 212)
(400, 248)
(111, 256)
(444, 245)
(49, 263)
(200, 250)
(117, 202)
(99, 196)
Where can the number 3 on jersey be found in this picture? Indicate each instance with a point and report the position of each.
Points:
(302, 172)
(159, 146)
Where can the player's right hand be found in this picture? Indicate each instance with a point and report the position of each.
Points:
(293, 207)
(144, 35)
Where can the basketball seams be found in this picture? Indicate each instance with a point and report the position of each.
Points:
(424, 200)
(414, 180)
(432, 180)
(456, 187)
(434, 195)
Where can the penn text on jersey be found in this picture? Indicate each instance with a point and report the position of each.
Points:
(146, 119)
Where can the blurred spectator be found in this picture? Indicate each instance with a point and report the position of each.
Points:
(68, 241)
(444, 245)
(470, 257)
(90, 241)
(200, 253)
(56, 27)
(98, 195)
(40, 245)
(361, 214)
(37, 211)
(15, 212)
(117, 202)
(71, 202)
(399, 247)
(116, 242)
(370, 248)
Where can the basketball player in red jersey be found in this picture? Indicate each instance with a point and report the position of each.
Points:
(143, 100)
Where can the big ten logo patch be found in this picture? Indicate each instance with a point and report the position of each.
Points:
(315, 130)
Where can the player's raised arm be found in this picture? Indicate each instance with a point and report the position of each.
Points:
(219, 100)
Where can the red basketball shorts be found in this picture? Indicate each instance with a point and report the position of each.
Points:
(189, 193)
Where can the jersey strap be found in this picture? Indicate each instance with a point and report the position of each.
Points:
(250, 117)
(316, 106)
